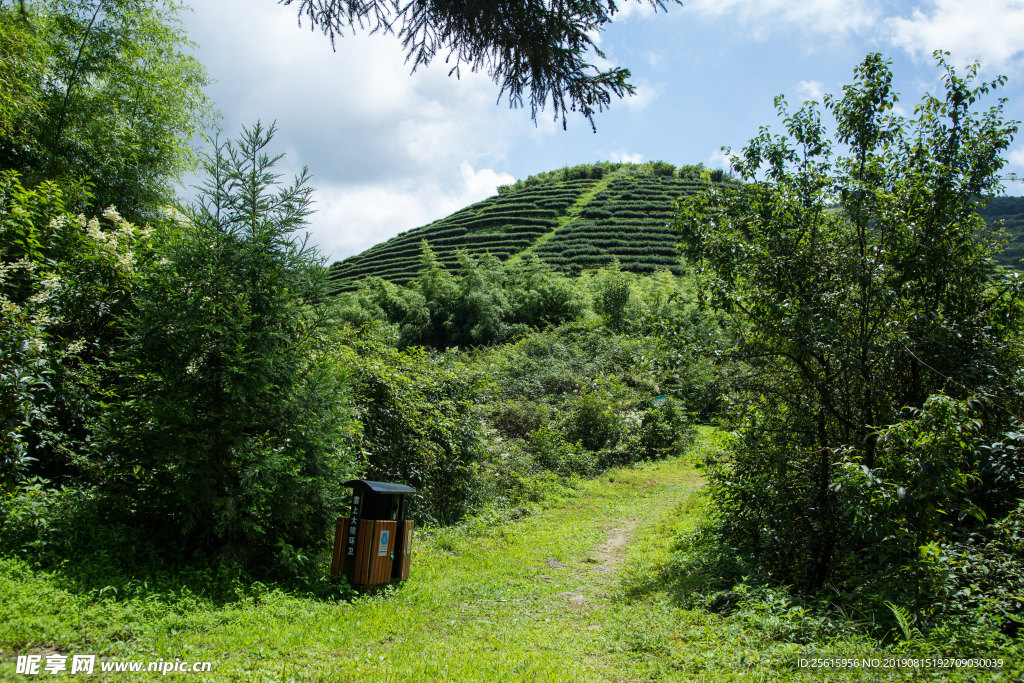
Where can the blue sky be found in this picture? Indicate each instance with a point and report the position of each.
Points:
(389, 151)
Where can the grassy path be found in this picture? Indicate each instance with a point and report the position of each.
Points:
(516, 602)
(571, 593)
(519, 603)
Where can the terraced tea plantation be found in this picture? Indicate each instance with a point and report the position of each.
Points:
(576, 224)
(502, 225)
(1009, 210)
(570, 224)
(626, 220)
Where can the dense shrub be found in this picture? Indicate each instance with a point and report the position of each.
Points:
(552, 451)
(594, 422)
(515, 420)
(666, 430)
(417, 424)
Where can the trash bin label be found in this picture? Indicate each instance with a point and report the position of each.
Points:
(383, 550)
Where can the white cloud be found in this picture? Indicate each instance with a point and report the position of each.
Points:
(634, 8)
(984, 30)
(1016, 156)
(810, 90)
(720, 159)
(623, 157)
(825, 16)
(364, 215)
(645, 94)
(987, 30)
(387, 150)
(654, 59)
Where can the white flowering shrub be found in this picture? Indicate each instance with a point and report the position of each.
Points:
(64, 280)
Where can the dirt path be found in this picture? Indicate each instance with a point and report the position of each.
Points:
(610, 553)
(595, 579)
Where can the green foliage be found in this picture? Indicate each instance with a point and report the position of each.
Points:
(594, 422)
(663, 168)
(64, 282)
(926, 469)
(417, 424)
(666, 430)
(553, 451)
(483, 304)
(516, 419)
(22, 58)
(231, 427)
(540, 298)
(861, 286)
(569, 173)
(691, 172)
(614, 297)
(104, 89)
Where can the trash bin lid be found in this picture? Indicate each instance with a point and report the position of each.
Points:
(378, 486)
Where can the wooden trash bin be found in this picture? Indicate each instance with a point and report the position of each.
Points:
(373, 545)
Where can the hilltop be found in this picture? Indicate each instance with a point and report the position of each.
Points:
(572, 219)
(577, 218)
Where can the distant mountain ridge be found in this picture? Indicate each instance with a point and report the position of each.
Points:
(578, 218)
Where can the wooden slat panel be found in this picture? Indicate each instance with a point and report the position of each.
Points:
(382, 563)
(364, 541)
(382, 527)
(388, 562)
(407, 530)
(374, 563)
(340, 541)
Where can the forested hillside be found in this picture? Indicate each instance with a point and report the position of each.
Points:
(572, 219)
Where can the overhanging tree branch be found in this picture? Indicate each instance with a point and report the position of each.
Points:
(537, 49)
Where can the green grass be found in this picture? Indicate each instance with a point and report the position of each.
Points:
(483, 604)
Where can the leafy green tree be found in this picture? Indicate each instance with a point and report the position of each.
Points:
(858, 284)
(540, 298)
(104, 90)
(613, 296)
(21, 74)
(525, 45)
(666, 430)
(481, 311)
(232, 423)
